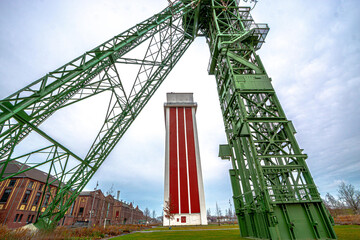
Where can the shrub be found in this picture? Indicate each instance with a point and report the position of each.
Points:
(61, 233)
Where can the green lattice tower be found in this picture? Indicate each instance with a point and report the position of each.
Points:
(274, 194)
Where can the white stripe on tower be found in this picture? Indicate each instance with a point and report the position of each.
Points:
(178, 163)
(199, 173)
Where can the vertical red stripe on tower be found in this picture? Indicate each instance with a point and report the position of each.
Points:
(194, 187)
(173, 166)
(184, 197)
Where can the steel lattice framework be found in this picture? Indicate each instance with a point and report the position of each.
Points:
(274, 194)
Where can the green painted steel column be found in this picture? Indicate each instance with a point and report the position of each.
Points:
(274, 194)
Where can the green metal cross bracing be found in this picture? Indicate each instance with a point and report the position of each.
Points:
(274, 194)
(94, 72)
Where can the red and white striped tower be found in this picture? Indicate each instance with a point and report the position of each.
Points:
(183, 178)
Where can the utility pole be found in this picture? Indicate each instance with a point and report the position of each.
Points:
(92, 205)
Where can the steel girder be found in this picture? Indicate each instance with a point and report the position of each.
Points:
(92, 73)
(275, 196)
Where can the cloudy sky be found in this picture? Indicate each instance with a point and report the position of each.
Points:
(312, 53)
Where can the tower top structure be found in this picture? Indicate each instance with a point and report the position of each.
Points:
(180, 99)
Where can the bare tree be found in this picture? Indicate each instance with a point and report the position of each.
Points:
(208, 215)
(146, 214)
(154, 215)
(159, 219)
(230, 211)
(218, 213)
(169, 210)
(228, 214)
(331, 202)
(350, 196)
(208, 212)
(334, 206)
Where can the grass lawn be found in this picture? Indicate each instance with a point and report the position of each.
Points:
(213, 226)
(344, 232)
(191, 234)
(347, 232)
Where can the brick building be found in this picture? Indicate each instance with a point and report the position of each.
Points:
(130, 214)
(100, 205)
(22, 196)
(104, 209)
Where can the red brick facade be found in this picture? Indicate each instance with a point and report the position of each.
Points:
(105, 210)
(20, 200)
(22, 196)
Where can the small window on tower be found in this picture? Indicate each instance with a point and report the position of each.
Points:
(183, 219)
(177, 219)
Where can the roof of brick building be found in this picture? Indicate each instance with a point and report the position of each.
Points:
(35, 174)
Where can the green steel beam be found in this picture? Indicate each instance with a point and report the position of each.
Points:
(90, 74)
(274, 194)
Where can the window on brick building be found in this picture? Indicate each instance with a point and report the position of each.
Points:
(81, 210)
(31, 183)
(5, 195)
(37, 198)
(20, 218)
(46, 201)
(28, 218)
(12, 183)
(26, 197)
(72, 208)
(16, 217)
(41, 187)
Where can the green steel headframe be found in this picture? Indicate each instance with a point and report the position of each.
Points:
(274, 194)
